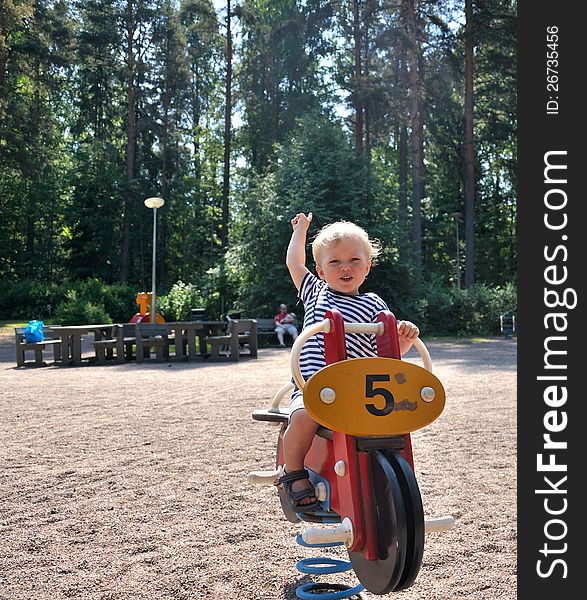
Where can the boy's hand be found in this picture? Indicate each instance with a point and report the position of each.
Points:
(301, 221)
(407, 330)
(296, 251)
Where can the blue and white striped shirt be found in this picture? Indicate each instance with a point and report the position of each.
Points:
(318, 298)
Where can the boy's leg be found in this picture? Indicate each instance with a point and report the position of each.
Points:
(296, 443)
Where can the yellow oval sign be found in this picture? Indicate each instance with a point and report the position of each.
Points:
(374, 397)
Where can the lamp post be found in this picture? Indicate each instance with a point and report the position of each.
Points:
(456, 216)
(154, 203)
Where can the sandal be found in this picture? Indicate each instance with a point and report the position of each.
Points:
(294, 498)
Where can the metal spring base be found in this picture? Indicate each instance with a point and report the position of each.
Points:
(324, 566)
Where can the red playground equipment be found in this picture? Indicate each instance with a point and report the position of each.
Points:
(360, 461)
(144, 301)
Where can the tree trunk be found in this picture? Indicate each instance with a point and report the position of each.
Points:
(417, 139)
(227, 130)
(4, 56)
(131, 140)
(367, 99)
(196, 116)
(403, 195)
(402, 159)
(469, 149)
(164, 167)
(34, 183)
(358, 84)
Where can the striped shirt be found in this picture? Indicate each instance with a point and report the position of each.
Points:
(318, 298)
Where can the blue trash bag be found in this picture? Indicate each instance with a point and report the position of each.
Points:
(34, 331)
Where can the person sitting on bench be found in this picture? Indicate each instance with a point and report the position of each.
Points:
(284, 323)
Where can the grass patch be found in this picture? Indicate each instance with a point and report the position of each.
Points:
(8, 326)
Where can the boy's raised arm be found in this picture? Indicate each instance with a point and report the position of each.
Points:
(296, 251)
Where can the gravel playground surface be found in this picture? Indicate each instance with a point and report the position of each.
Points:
(129, 481)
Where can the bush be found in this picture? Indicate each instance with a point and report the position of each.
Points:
(26, 300)
(75, 310)
(437, 310)
(463, 312)
(118, 299)
(178, 303)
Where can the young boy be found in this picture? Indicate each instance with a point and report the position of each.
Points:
(342, 253)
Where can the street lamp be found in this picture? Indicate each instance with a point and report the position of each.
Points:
(154, 203)
(456, 216)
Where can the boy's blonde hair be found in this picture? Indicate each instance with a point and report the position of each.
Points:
(341, 231)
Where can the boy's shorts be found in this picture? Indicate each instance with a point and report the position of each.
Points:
(296, 402)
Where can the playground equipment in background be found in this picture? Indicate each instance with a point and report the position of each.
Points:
(144, 301)
(360, 461)
(507, 325)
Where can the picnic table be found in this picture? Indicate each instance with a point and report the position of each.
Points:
(240, 333)
(71, 339)
(125, 337)
(184, 334)
(181, 334)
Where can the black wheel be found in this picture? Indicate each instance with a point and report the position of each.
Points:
(414, 518)
(382, 575)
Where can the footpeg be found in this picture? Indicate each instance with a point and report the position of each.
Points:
(265, 477)
(343, 533)
(439, 524)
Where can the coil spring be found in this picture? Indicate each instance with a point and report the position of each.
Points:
(323, 566)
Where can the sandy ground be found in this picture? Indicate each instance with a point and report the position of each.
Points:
(129, 481)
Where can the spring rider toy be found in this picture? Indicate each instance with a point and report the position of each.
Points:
(144, 301)
(360, 461)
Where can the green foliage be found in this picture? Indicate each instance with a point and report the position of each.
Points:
(279, 71)
(452, 311)
(118, 300)
(29, 300)
(316, 172)
(80, 300)
(67, 174)
(177, 304)
(76, 311)
(437, 310)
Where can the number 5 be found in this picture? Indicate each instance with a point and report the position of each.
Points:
(371, 392)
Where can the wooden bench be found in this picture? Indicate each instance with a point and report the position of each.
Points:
(122, 341)
(266, 328)
(105, 347)
(152, 337)
(239, 332)
(52, 340)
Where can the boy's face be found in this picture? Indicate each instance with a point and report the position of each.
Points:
(344, 266)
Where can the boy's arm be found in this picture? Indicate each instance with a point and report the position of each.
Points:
(296, 251)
